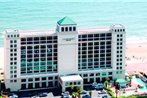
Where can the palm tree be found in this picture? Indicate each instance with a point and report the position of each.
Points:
(116, 91)
(74, 94)
(79, 90)
(90, 93)
(130, 77)
(71, 88)
(106, 82)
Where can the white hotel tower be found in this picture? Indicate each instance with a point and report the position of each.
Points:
(64, 57)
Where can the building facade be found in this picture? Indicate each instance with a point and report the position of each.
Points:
(41, 59)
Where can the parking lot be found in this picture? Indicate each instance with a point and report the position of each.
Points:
(54, 93)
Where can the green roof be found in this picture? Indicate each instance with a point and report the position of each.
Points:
(66, 21)
(121, 81)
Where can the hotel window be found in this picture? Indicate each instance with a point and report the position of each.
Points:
(91, 74)
(15, 54)
(103, 73)
(23, 80)
(110, 73)
(124, 30)
(11, 41)
(117, 35)
(37, 79)
(115, 31)
(11, 67)
(15, 45)
(62, 29)
(11, 50)
(85, 75)
(43, 78)
(17, 35)
(74, 28)
(70, 28)
(66, 84)
(11, 63)
(14, 35)
(15, 71)
(11, 59)
(75, 83)
(8, 36)
(121, 35)
(120, 72)
(118, 30)
(117, 39)
(15, 80)
(66, 28)
(50, 78)
(79, 83)
(11, 81)
(121, 39)
(15, 50)
(11, 46)
(15, 76)
(97, 74)
(30, 79)
(15, 41)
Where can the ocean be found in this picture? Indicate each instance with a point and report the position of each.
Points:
(43, 14)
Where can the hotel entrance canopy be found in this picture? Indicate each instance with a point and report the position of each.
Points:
(68, 80)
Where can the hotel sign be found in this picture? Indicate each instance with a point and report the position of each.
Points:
(68, 39)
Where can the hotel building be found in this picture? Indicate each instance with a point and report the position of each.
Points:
(64, 57)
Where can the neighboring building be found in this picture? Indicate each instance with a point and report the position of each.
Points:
(40, 59)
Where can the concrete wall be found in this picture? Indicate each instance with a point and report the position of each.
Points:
(67, 52)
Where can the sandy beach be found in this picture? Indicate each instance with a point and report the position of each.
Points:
(136, 57)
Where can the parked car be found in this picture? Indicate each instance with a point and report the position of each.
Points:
(35, 96)
(83, 93)
(65, 94)
(99, 86)
(94, 84)
(43, 94)
(86, 96)
(12, 95)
